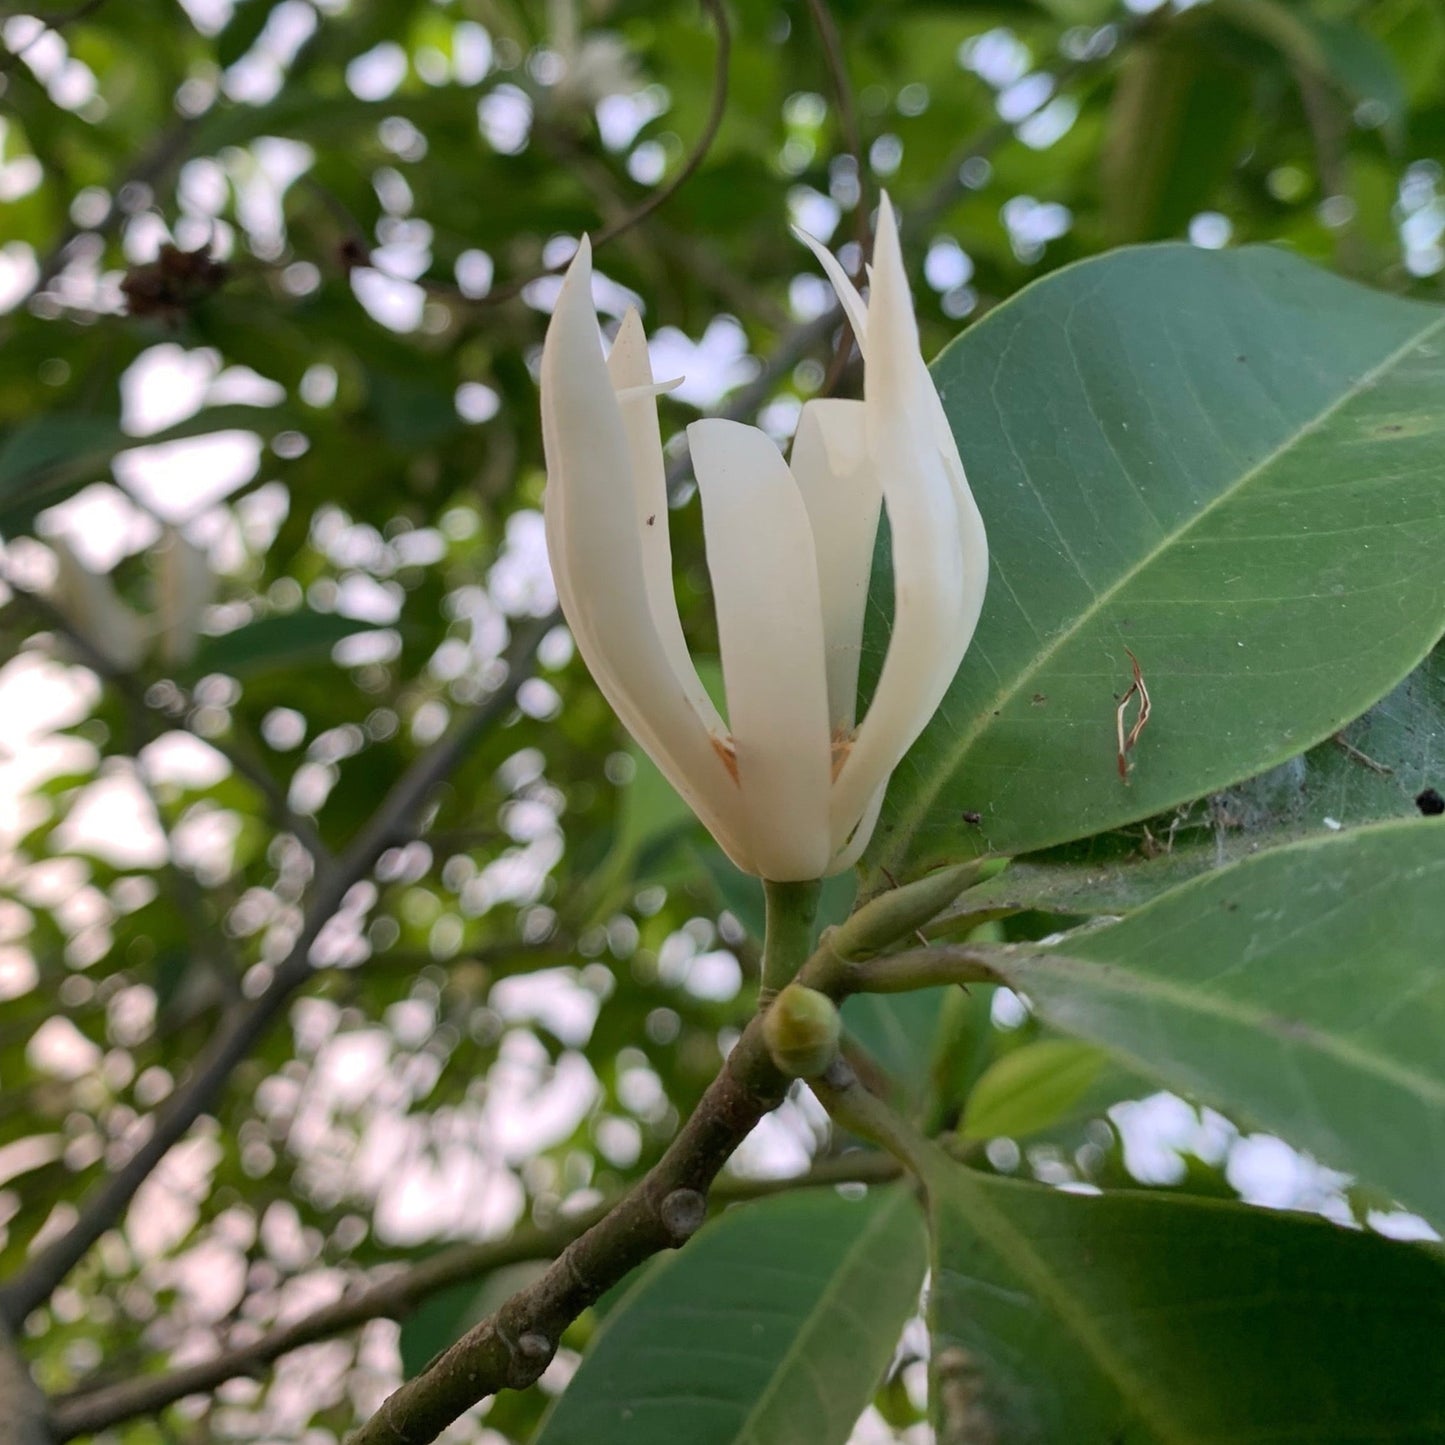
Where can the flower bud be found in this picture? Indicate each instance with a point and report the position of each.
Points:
(801, 1030)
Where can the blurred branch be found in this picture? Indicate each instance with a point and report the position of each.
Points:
(22, 1406)
(55, 21)
(717, 13)
(150, 725)
(950, 184)
(149, 168)
(833, 57)
(242, 1027)
(511, 1348)
(1329, 123)
(398, 1295)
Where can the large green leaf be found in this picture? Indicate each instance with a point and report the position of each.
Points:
(1301, 989)
(774, 1326)
(1229, 463)
(1378, 767)
(1166, 1320)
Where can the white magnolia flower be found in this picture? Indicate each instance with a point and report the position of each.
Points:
(791, 783)
(94, 608)
(182, 587)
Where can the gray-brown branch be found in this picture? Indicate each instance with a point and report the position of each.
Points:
(243, 1027)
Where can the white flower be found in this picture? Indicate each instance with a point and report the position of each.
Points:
(788, 785)
(94, 608)
(182, 587)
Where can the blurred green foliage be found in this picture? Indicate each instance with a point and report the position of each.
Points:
(384, 190)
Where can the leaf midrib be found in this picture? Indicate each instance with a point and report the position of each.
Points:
(839, 1283)
(951, 1182)
(907, 825)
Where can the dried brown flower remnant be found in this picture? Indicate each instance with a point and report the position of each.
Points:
(173, 283)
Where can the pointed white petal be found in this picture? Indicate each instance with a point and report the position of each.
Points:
(770, 628)
(595, 545)
(939, 556)
(630, 371)
(848, 297)
(843, 494)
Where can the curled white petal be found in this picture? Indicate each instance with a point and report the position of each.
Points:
(852, 303)
(595, 545)
(935, 605)
(630, 370)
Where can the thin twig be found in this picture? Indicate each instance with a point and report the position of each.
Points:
(512, 1347)
(1351, 751)
(133, 693)
(243, 1026)
(660, 197)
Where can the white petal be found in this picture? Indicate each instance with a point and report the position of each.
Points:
(184, 586)
(595, 546)
(843, 494)
(770, 629)
(630, 371)
(850, 846)
(848, 297)
(939, 553)
(94, 608)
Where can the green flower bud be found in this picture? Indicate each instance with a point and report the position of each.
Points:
(801, 1030)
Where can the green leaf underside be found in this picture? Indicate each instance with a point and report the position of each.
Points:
(1301, 990)
(1229, 463)
(1031, 1088)
(51, 457)
(774, 1326)
(1138, 1319)
(287, 640)
(1393, 753)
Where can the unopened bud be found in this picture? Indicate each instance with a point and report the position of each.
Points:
(801, 1030)
(894, 914)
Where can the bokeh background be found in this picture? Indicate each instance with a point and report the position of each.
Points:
(282, 677)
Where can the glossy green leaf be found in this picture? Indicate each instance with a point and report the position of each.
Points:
(773, 1327)
(1160, 1319)
(1031, 1088)
(288, 640)
(1376, 768)
(1301, 990)
(1229, 463)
